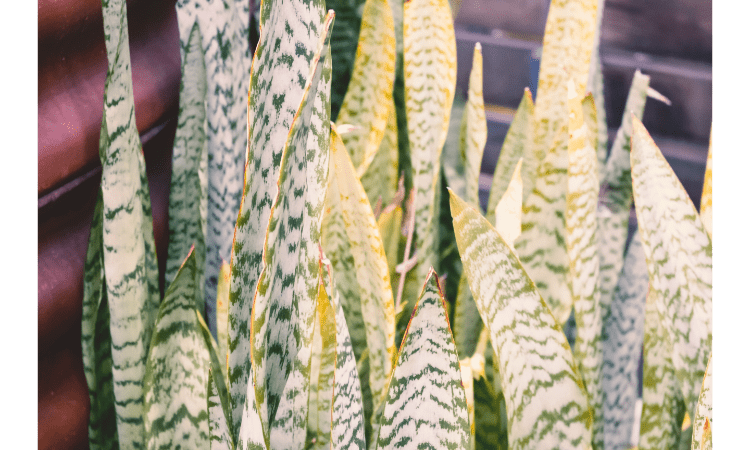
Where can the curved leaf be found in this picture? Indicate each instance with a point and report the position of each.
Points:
(426, 404)
(474, 129)
(678, 254)
(707, 208)
(703, 422)
(545, 397)
(369, 98)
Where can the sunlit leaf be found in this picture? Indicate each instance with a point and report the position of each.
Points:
(508, 210)
(678, 254)
(467, 381)
(426, 404)
(222, 317)
(322, 368)
(590, 117)
(474, 129)
(707, 208)
(546, 401)
(595, 86)
(704, 412)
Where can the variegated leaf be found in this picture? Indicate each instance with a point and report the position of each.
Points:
(622, 343)
(130, 268)
(222, 318)
(678, 254)
(566, 53)
(467, 324)
(590, 114)
(508, 210)
(514, 148)
(474, 129)
(454, 166)
(426, 405)
(369, 98)
(467, 381)
(188, 188)
(381, 177)
(176, 378)
(389, 225)
(663, 408)
(96, 342)
(369, 281)
(219, 434)
(707, 208)
(582, 242)
(251, 433)
(322, 369)
(541, 246)
(430, 82)
(280, 68)
(343, 48)
(595, 85)
(284, 308)
(616, 196)
(703, 422)
(546, 400)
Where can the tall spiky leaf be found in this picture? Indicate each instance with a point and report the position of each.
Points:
(176, 380)
(389, 225)
(582, 241)
(703, 422)
(284, 309)
(430, 82)
(514, 147)
(707, 208)
(280, 68)
(222, 318)
(678, 253)
(595, 86)
(622, 343)
(129, 253)
(251, 435)
(507, 215)
(218, 426)
(369, 98)
(545, 397)
(344, 37)
(426, 404)
(322, 368)
(381, 176)
(474, 129)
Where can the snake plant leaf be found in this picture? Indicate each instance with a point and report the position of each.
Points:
(707, 194)
(622, 343)
(188, 188)
(514, 148)
(349, 17)
(467, 323)
(369, 98)
(96, 342)
(381, 176)
(429, 83)
(222, 317)
(389, 225)
(176, 378)
(283, 314)
(467, 381)
(595, 86)
(590, 117)
(474, 129)
(703, 422)
(546, 400)
(369, 280)
(454, 166)
(251, 433)
(541, 246)
(219, 434)
(616, 199)
(569, 38)
(583, 250)
(678, 254)
(426, 405)
(663, 408)
(277, 85)
(129, 253)
(322, 369)
(508, 210)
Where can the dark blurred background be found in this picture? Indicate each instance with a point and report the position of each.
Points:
(670, 40)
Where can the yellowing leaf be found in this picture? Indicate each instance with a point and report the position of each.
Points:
(707, 208)
(381, 177)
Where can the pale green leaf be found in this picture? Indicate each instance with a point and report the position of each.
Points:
(381, 177)
(220, 436)
(514, 148)
(678, 254)
(508, 210)
(707, 208)
(426, 404)
(277, 85)
(284, 308)
(389, 225)
(430, 82)
(474, 129)
(546, 401)
(595, 86)
(322, 369)
(176, 379)
(583, 251)
(467, 324)
(454, 167)
(369, 98)
(703, 422)
(467, 381)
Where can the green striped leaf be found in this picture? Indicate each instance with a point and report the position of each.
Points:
(430, 82)
(663, 408)
(176, 378)
(96, 342)
(546, 401)
(569, 39)
(366, 284)
(130, 267)
(514, 148)
(283, 314)
(703, 422)
(678, 254)
(474, 129)
(322, 369)
(582, 241)
(369, 98)
(707, 194)
(622, 343)
(381, 177)
(277, 84)
(541, 246)
(454, 166)
(590, 117)
(595, 86)
(344, 38)
(188, 188)
(426, 405)
(219, 434)
(251, 434)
